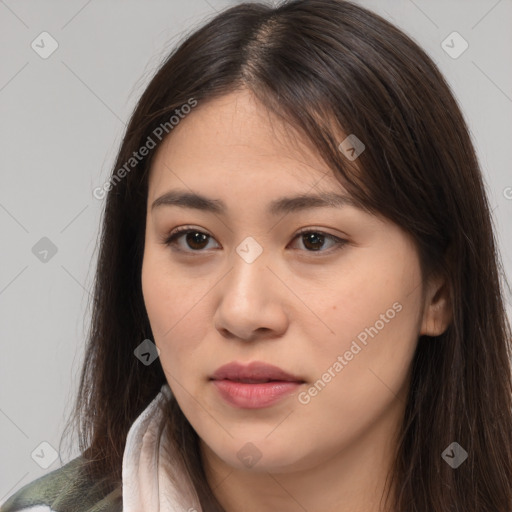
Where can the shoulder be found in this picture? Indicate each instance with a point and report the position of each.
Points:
(65, 489)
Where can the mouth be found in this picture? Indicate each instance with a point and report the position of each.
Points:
(254, 381)
(254, 386)
(254, 373)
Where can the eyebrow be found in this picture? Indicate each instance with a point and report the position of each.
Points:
(278, 206)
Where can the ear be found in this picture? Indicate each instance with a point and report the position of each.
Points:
(437, 309)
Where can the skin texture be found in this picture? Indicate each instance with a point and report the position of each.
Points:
(293, 306)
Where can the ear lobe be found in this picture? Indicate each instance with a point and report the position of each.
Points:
(437, 312)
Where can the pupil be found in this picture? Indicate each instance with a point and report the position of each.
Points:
(314, 238)
(192, 242)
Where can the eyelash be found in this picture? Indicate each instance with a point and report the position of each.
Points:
(178, 232)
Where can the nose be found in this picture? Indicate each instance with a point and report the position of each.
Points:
(251, 302)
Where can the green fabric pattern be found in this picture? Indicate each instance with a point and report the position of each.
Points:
(65, 489)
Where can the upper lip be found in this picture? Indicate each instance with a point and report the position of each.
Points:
(253, 371)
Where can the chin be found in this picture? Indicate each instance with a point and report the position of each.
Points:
(262, 455)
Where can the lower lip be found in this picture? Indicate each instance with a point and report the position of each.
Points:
(254, 396)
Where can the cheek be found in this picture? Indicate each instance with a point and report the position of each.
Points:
(366, 359)
(377, 298)
(348, 396)
(158, 297)
(174, 310)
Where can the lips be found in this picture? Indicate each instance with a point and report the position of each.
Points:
(254, 386)
(253, 373)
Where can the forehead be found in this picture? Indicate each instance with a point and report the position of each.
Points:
(235, 140)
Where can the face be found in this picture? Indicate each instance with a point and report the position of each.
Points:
(329, 294)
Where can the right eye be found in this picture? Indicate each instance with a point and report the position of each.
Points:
(195, 239)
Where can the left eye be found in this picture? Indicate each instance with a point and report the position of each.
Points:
(316, 238)
(313, 240)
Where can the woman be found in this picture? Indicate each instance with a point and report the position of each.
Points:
(298, 301)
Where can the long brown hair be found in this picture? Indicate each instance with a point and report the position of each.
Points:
(328, 66)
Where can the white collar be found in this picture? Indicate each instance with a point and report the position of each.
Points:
(154, 477)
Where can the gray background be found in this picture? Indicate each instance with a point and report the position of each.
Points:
(62, 119)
